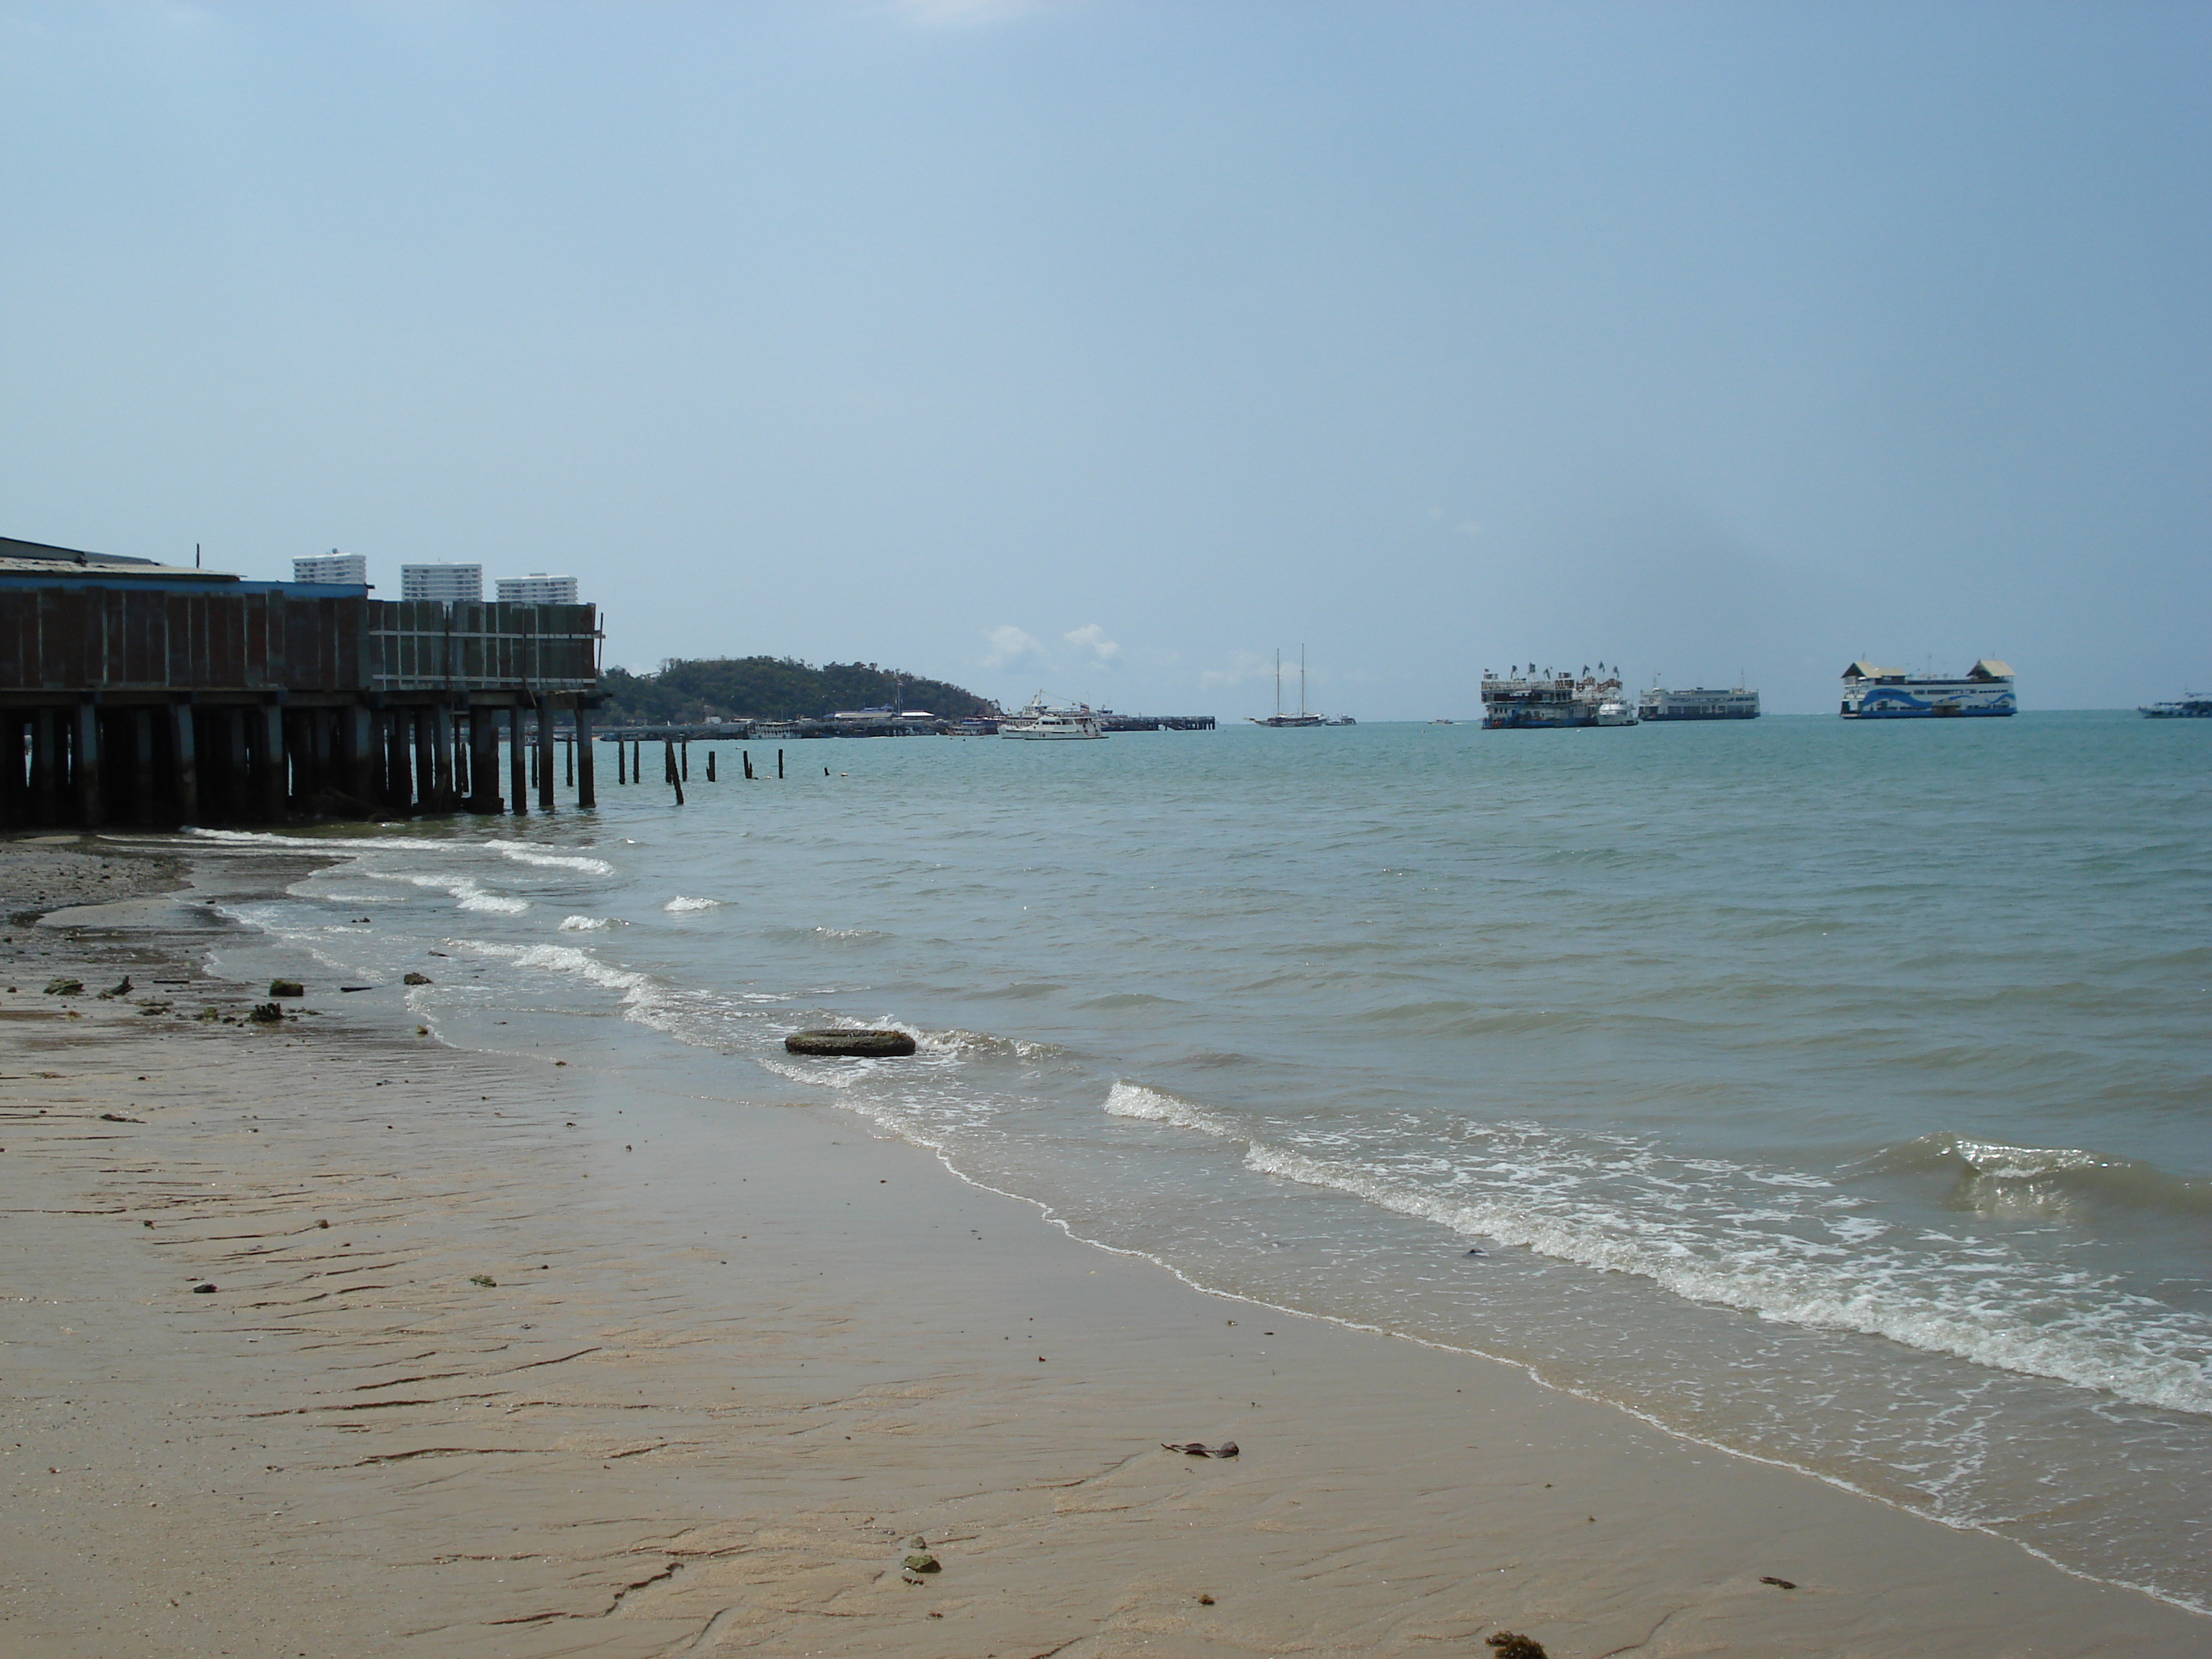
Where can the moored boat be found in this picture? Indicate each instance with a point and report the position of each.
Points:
(2188, 707)
(1696, 703)
(1527, 700)
(1873, 692)
(1038, 723)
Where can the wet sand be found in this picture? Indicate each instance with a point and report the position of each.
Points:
(717, 1375)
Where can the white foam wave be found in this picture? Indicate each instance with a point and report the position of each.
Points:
(679, 904)
(1135, 1100)
(565, 959)
(465, 892)
(523, 853)
(585, 924)
(1799, 1292)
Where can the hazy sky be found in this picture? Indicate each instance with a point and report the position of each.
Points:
(1107, 347)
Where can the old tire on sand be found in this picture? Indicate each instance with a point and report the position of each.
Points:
(866, 1044)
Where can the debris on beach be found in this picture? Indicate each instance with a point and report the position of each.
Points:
(64, 987)
(864, 1044)
(122, 988)
(1204, 1601)
(1778, 1583)
(1512, 1644)
(484, 1279)
(1199, 1448)
(920, 1561)
(203, 1289)
(210, 1014)
(413, 978)
(286, 988)
(117, 1117)
(267, 1013)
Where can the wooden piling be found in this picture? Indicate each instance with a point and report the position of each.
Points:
(684, 773)
(483, 759)
(588, 795)
(779, 762)
(710, 766)
(272, 779)
(518, 766)
(84, 765)
(544, 753)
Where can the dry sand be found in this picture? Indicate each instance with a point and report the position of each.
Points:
(653, 1434)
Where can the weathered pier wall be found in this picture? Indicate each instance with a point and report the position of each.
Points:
(172, 698)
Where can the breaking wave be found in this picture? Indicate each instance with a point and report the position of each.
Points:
(523, 852)
(1989, 1176)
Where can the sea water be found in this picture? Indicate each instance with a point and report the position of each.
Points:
(1831, 1092)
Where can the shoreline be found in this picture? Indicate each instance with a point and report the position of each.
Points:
(651, 1434)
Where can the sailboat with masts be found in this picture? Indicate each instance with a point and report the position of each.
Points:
(1278, 718)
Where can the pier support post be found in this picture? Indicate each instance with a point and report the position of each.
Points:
(357, 743)
(587, 793)
(710, 766)
(237, 785)
(276, 790)
(441, 754)
(426, 760)
(685, 775)
(779, 762)
(518, 765)
(483, 759)
(183, 750)
(45, 767)
(544, 754)
(14, 795)
(84, 764)
(145, 786)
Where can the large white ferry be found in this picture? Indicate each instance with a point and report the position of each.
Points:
(1698, 703)
(1037, 723)
(1527, 701)
(1873, 692)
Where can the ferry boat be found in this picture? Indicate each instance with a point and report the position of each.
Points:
(1698, 703)
(1526, 701)
(1873, 692)
(2189, 707)
(1037, 723)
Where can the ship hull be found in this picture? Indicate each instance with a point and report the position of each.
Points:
(1963, 700)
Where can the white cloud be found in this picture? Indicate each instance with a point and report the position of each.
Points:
(1010, 644)
(1092, 638)
(1245, 665)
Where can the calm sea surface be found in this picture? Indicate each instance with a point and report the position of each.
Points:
(1836, 1093)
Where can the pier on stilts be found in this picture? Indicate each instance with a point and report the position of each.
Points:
(138, 694)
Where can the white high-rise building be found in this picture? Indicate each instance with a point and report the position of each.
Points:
(332, 567)
(537, 588)
(450, 582)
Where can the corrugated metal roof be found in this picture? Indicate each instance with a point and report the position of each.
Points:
(1990, 668)
(1864, 670)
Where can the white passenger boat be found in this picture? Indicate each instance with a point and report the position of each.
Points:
(1038, 723)
(1871, 692)
(1698, 703)
(1534, 701)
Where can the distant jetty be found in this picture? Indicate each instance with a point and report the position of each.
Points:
(873, 723)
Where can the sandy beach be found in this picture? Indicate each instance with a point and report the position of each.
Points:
(325, 1338)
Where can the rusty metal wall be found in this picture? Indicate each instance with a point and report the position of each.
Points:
(78, 637)
(84, 637)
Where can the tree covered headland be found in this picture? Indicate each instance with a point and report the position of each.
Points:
(772, 688)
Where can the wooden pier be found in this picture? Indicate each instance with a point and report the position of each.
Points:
(133, 692)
